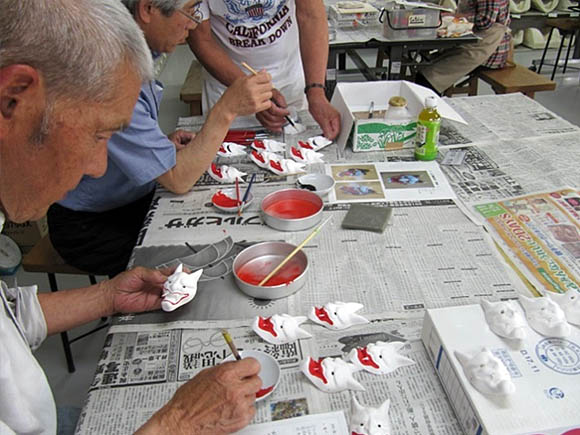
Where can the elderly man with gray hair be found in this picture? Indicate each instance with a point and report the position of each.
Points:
(70, 73)
(96, 226)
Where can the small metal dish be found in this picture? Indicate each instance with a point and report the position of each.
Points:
(256, 261)
(269, 371)
(231, 194)
(321, 184)
(292, 209)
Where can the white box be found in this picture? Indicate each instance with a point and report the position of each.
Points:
(356, 97)
(545, 371)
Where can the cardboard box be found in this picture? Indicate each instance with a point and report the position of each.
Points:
(545, 371)
(375, 134)
(27, 234)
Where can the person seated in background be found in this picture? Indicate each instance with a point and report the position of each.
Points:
(61, 98)
(490, 19)
(95, 227)
(287, 38)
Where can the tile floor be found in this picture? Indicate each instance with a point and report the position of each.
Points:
(70, 389)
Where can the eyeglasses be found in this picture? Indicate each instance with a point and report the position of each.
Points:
(193, 13)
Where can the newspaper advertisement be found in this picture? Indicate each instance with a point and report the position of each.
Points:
(515, 167)
(142, 366)
(541, 234)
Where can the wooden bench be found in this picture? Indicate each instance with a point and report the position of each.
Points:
(191, 90)
(511, 78)
(43, 258)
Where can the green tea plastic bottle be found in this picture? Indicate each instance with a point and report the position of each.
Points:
(428, 126)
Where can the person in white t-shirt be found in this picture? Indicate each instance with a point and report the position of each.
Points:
(287, 38)
(61, 99)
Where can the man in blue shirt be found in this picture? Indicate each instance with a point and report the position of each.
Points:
(95, 227)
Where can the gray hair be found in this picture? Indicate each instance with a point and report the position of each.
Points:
(167, 7)
(77, 45)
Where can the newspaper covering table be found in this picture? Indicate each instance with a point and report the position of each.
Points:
(433, 254)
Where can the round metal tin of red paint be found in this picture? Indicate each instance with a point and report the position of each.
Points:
(255, 262)
(292, 209)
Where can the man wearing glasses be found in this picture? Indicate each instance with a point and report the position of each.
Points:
(95, 227)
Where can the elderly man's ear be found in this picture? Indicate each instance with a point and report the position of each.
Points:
(20, 86)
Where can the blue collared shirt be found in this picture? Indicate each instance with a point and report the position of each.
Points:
(136, 157)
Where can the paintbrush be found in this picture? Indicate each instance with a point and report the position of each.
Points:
(253, 71)
(371, 109)
(238, 193)
(246, 194)
(230, 342)
(293, 253)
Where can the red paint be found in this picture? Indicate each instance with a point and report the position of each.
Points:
(297, 153)
(216, 170)
(255, 271)
(276, 165)
(258, 156)
(259, 144)
(305, 145)
(356, 433)
(315, 368)
(292, 209)
(222, 200)
(323, 315)
(222, 150)
(263, 391)
(365, 358)
(265, 324)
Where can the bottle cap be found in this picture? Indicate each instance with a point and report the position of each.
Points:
(431, 102)
(398, 102)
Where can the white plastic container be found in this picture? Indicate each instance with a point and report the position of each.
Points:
(410, 23)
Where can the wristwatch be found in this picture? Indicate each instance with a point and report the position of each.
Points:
(313, 85)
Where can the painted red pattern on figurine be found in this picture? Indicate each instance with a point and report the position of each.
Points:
(305, 145)
(297, 153)
(365, 358)
(258, 156)
(265, 324)
(217, 171)
(323, 315)
(315, 368)
(259, 144)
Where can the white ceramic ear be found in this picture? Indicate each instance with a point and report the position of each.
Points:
(192, 278)
(355, 406)
(570, 304)
(526, 301)
(384, 408)
(352, 384)
(486, 304)
(179, 268)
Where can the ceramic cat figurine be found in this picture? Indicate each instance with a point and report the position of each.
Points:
(225, 173)
(231, 149)
(380, 357)
(331, 375)
(369, 420)
(179, 289)
(486, 373)
(545, 316)
(570, 304)
(506, 319)
(337, 315)
(280, 328)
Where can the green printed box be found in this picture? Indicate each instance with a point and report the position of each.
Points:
(353, 101)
